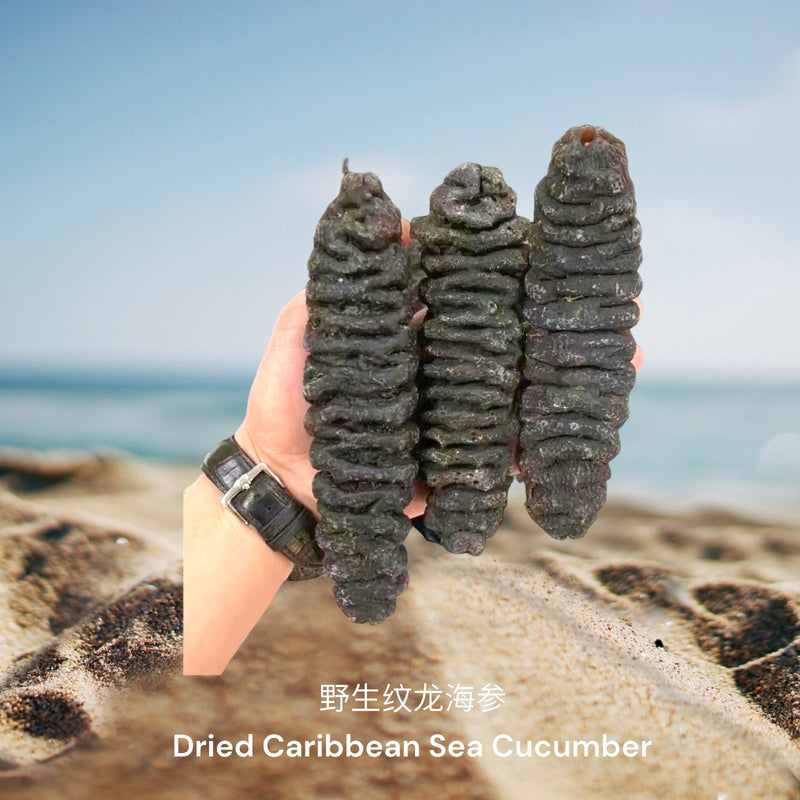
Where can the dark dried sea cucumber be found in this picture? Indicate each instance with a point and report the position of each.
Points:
(360, 381)
(580, 306)
(473, 255)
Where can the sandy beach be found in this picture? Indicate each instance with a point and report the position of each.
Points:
(682, 630)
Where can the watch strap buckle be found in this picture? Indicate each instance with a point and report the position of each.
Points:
(244, 482)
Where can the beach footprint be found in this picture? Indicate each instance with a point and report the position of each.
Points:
(85, 612)
(53, 571)
(58, 695)
(752, 629)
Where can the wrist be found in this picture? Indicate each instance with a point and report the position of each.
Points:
(293, 470)
(205, 518)
(230, 577)
(258, 497)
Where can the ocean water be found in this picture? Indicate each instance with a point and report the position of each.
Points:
(728, 445)
(685, 444)
(167, 418)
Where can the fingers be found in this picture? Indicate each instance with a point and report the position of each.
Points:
(291, 323)
(638, 356)
(416, 508)
(290, 329)
(406, 235)
(419, 317)
(514, 449)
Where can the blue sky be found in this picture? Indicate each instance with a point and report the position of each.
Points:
(163, 164)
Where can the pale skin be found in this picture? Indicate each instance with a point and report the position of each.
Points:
(230, 574)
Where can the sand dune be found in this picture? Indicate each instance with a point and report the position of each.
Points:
(681, 630)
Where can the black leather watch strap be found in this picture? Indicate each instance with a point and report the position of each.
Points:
(257, 496)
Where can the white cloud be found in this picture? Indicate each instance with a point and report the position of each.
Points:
(720, 292)
(720, 236)
(314, 186)
(774, 112)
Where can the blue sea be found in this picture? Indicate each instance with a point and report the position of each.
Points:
(686, 443)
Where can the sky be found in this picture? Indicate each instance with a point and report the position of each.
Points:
(163, 165)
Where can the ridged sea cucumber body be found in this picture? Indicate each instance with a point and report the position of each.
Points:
(473, 255)
(579, 308)
(360, 381)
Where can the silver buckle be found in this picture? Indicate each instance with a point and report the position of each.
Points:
(244, 482)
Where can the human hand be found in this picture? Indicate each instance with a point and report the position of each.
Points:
(273, 430)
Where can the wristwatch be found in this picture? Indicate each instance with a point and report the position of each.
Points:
(258, 497)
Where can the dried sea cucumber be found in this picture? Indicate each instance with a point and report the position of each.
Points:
(360, 381)
(472, 250)
(580, 306)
